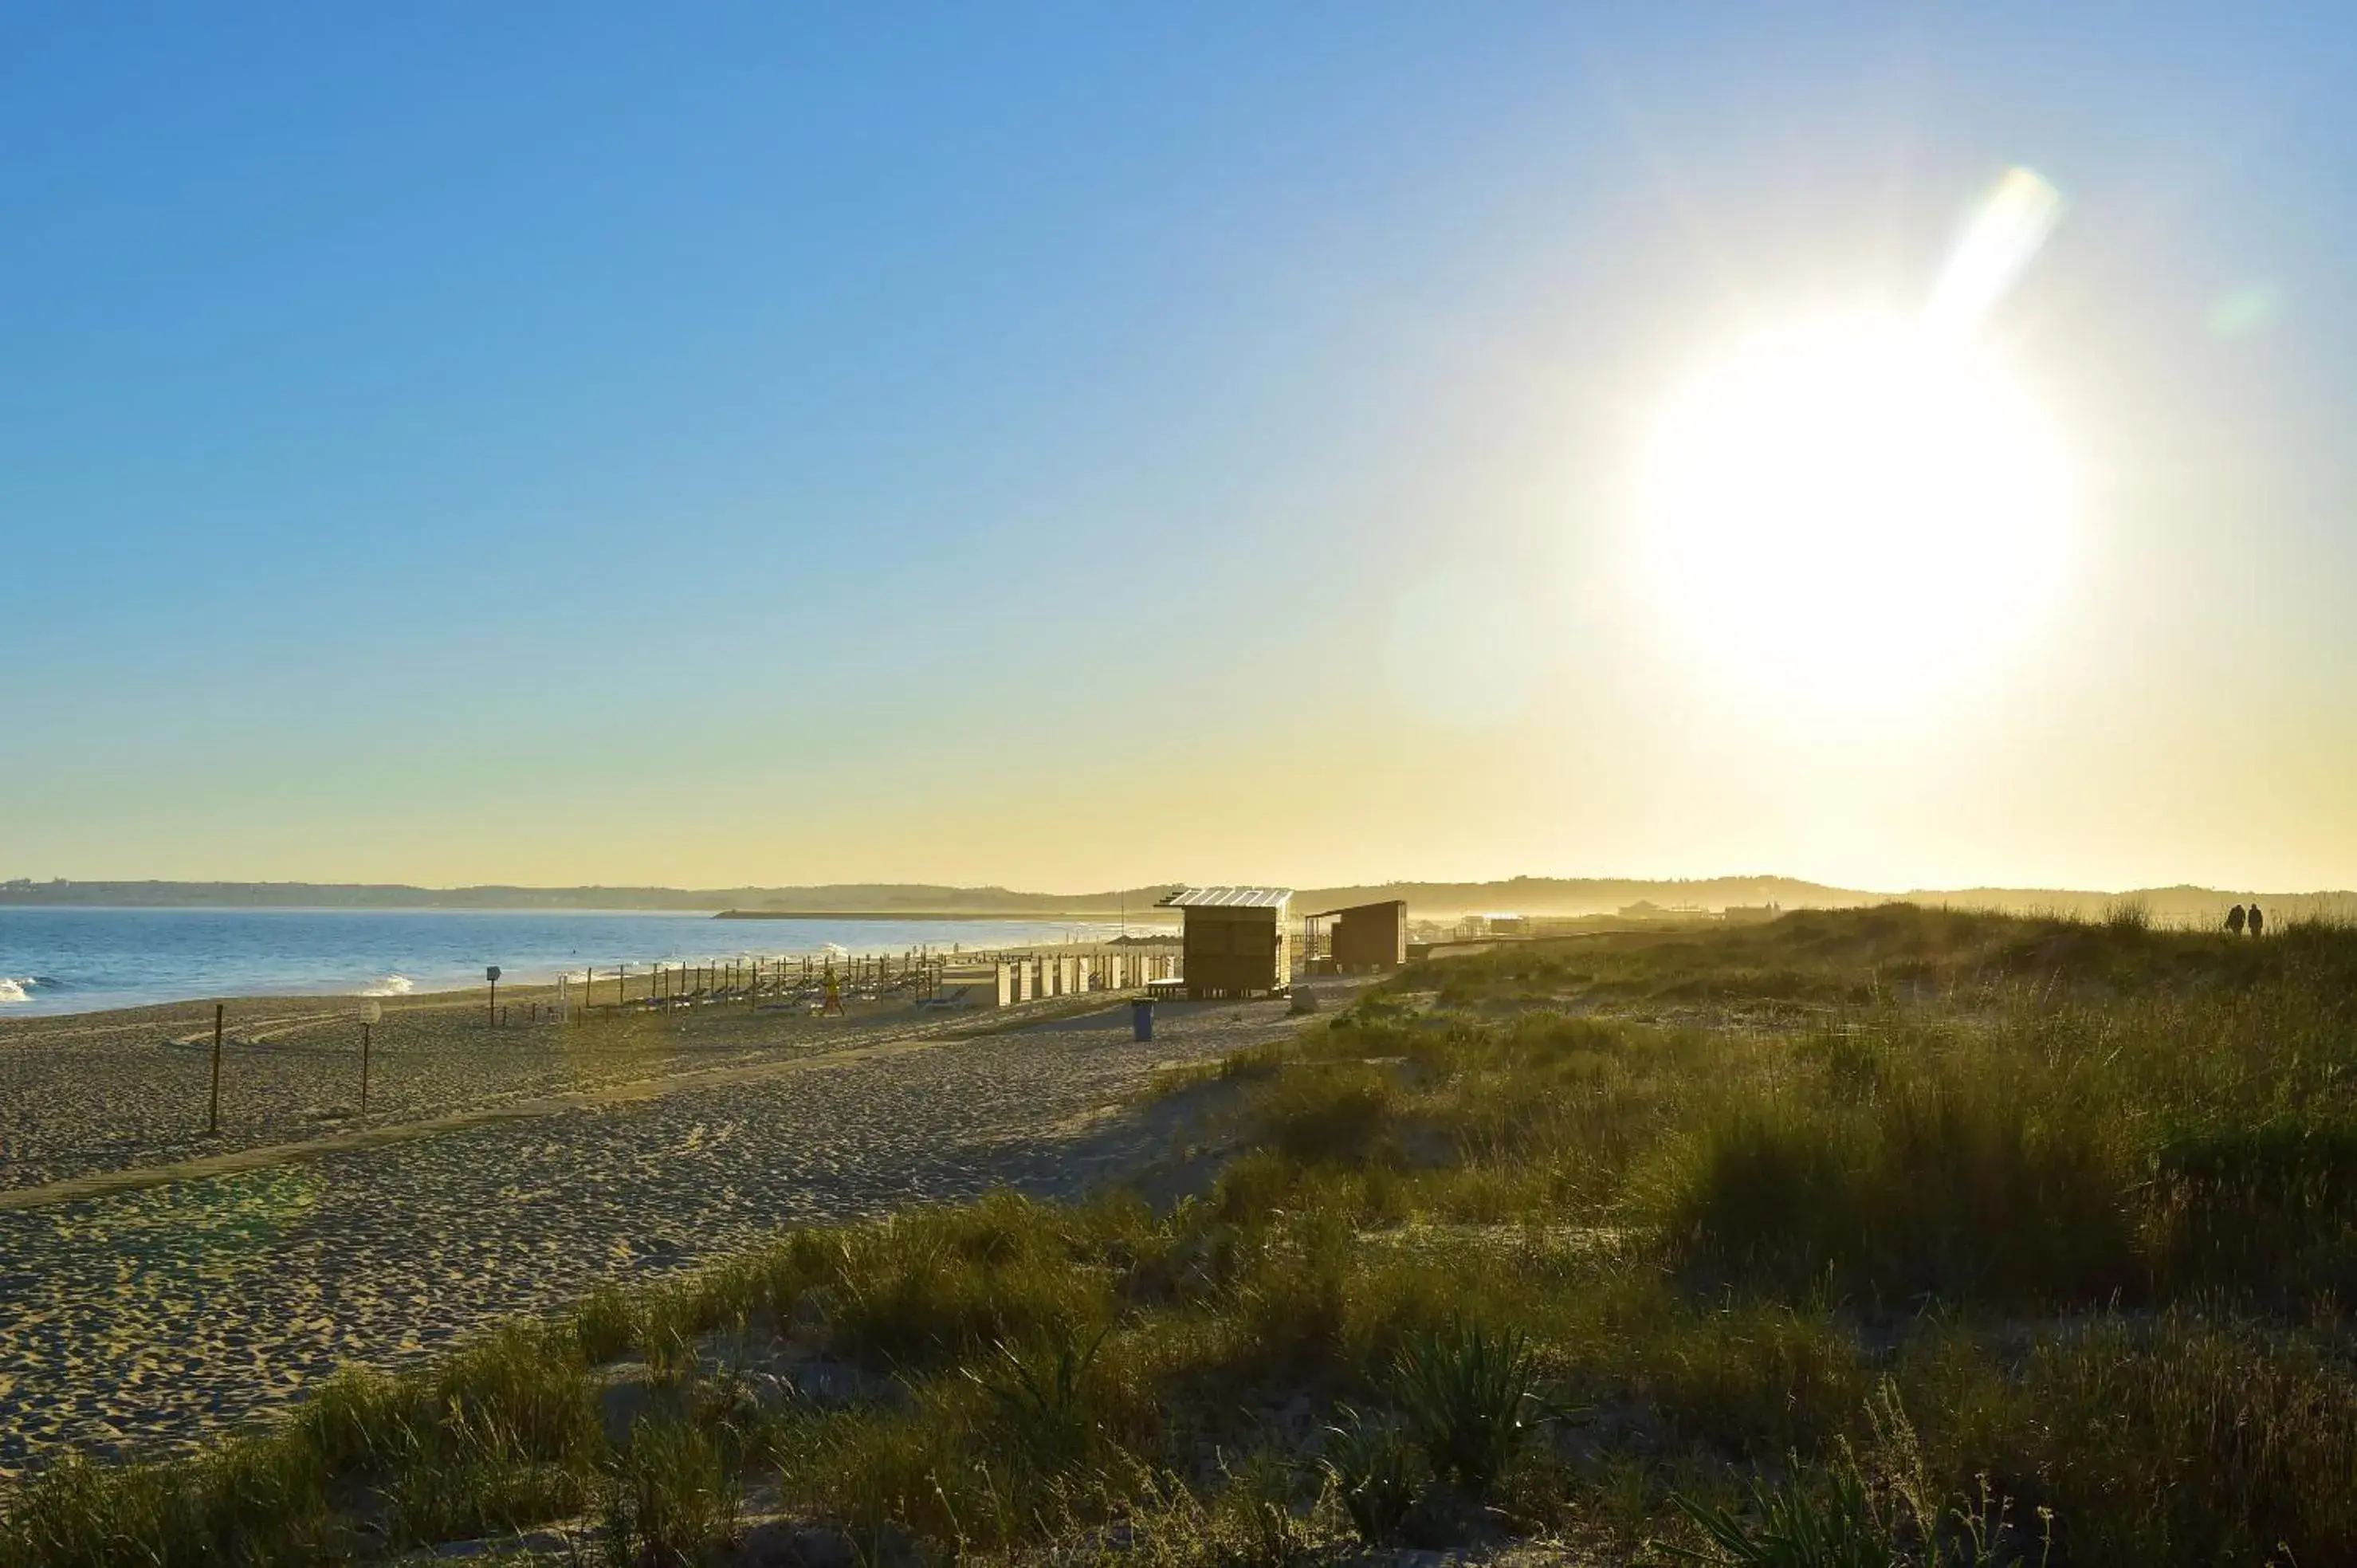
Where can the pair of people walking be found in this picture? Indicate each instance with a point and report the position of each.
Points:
(2238, 921)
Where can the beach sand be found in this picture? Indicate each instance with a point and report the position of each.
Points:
(148, 1319)
(106, 1091)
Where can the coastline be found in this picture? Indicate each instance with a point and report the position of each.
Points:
(57, 963)
(996, 917)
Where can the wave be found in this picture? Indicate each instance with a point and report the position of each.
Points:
(391, 985)
(17, 989)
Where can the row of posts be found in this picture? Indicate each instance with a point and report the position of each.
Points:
(918, 970)
(1070, 975)
(925, 974)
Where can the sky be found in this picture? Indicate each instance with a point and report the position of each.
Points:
(1068, 447)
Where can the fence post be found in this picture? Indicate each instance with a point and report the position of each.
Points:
(212, 1117)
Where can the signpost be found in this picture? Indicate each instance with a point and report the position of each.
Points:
(492, 974)
(212, 1120)
(371, 1013)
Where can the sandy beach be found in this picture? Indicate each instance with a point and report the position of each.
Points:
(91, 1092)
(147, 1319)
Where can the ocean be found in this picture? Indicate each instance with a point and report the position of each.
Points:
(61, 959)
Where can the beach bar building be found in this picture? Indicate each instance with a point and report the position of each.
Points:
(1366, 936)
(1235, 942)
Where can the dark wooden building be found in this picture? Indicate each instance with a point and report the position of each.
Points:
(1367, 936)
(1236, 943)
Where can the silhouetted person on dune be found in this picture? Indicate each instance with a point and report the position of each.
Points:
(2258, 920)
(2235, 919)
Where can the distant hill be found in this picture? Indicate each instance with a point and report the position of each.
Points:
(1584, 895)
(1431, 900)
(346, 895)
(881, 898)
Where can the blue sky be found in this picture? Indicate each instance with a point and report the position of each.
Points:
(767, 444)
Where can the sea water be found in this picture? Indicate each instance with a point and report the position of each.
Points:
(66, 958)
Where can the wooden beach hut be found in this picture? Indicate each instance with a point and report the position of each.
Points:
(1235, 942)
(1367, 936)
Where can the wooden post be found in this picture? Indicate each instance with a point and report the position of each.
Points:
(364, 1055)
(212, 1117)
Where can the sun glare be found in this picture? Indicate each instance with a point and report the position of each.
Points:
(1866, 502)
(1864, 497)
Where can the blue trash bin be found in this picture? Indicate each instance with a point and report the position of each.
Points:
(1141, 1018)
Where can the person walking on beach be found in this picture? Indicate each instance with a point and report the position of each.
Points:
(2258, 920)
(2234, 921)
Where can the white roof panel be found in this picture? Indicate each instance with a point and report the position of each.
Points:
(1228, 898)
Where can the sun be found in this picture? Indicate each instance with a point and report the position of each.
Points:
(1853, 500)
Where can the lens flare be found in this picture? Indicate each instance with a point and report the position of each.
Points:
(2004, 238)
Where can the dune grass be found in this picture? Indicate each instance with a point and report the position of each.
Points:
(1896, 1236)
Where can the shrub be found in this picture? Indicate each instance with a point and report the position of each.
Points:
(605, 1327)
(1793, 1528)
(360, 1419)
(519, 1391)
(1373, 1469)
(931, 1288)
(84, 1515)
(1948, 1184)
(1468, 1396)
(1754, 1378)
(1341, 1114)
(670, 1499)
(2270, 1207)
(2186, 1440)
(1043, 1400)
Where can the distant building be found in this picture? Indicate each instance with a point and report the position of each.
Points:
(1750, 913)
(1646, 909)
(1509, 925)
(1234, 943)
